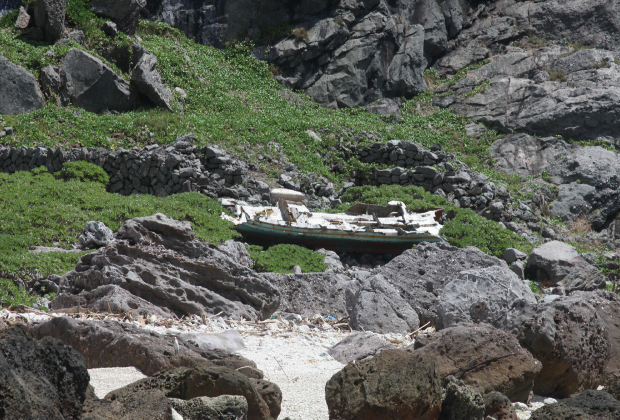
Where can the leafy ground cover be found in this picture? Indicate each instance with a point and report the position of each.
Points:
(282, 258)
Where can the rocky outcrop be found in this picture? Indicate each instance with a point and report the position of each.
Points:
(480, 296)
(483, 357)
(552, 261)
(19, 92)
(49, 17)
(591, 405)
(393, 384)
(225, 407)
(40, 379)
(112, 344)
(96, 235)
(460, 401)
(186, 384)
(359, 346)
(576, 338)
(90, 84)
(401, 295)
(499, 407)
(158, 259)
(147, 81)
(146, 405)
(124, 13)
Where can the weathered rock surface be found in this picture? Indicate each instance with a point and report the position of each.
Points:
(460, 401)
(186, 384)
(96, 235)
(90, 84)
(480, 296)
(359, 346)
(157, 259)
(224, 407)
(238, 252)
(499, 406)
(271, 394)
(577, 339)
(124, 13)
(145, 405)
(49, 17)
(393, 384)
(483, 357)
(146, 79)
(591, 405)
(523, 154)
(19, 92)
(408, 287)
(112, 344)
(227, 340)
(552, 261)
(40, 379)
(586, 278)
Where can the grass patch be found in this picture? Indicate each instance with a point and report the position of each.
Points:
(80, 171)
(465, 229)
(282, 258)
(12, 295)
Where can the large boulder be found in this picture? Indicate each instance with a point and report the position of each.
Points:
(205, 381)
(96, 235)
(19, 91)
(522, 154)
(480, 296)
(483, 357)
(552, 261)
(124, 13)
(392, 385)
(113, 344)
(586, 278)
(591, 405)
(410, 284)
(460, 401)
(577, 339)
(146, 79)
(49, 17)
(359, 346)
(90, 84)
(157, 259)
(40, 379)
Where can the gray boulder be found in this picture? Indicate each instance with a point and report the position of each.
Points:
(552, 261)
(49, 17)
(23, 19)
(96, 235)
(480, 296)
(583, 277)
(228, 340)
(460, 58)
(224, 407)
(158, 259)
(238, 252)
(511, 255)
(332, 260)
(523, 154)
(124, 13)
(90, 84)
(50, 80)
(460, 401)
(19, 92)
(405, 75)
(385, 106)
(146, 79)
(359, 346)
(590, 404)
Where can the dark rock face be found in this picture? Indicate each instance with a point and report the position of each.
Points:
(483, 357)
(185, 384)
(124, 13)
(393, 384)
(146, 79)
(499, 406)
(114, 344)
(90, 84)
(480, 296)
(49, 17)
(552, 261)
(591, 405)
(586, 278)
(8, 5)
(157, 259)
(577, 339)
(145, 405)
(408, 287)
(460, 401)
(271, 394)
(40, 379)
(19, 92)
(359, 346)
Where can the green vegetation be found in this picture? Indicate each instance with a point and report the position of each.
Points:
(282, 258)
(465, 229)
(12, 295)
(536, 288)
(81, 171)
(39, 210)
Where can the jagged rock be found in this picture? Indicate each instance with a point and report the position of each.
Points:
(385, 106)
(393, 384)
(499, 407)
(110, 29)
(19, 92)
(408, 287)
(523, 154)
(586, 278)
(203, 381)
(591, 405)
(23, 19)
(50, 80)
(124, 13)
(576, 338)
(271, 394)
(359, 346)
(238, 252)
(460, 401)
(49, 17)
(146, 405)
(460, 59)
(480, 296)
(88, 83)
(552, 261)
(115, 344)
(405, 74)
(146, 79)
(463, 351)
(40, 379)
(158, 259)
(224, 407)
(511, 255)
(96, 235)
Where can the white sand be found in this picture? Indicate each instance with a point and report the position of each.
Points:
(105, 380)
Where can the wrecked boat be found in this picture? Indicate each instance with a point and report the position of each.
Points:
(365, 228)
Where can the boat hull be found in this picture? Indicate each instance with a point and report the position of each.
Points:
(331, 239)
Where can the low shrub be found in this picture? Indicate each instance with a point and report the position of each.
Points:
(83, 171)
(282, 258)
(11, 295)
